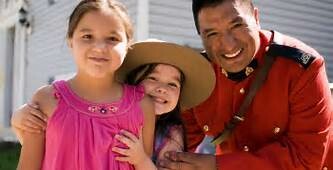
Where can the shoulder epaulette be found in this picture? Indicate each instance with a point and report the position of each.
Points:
(301, 57)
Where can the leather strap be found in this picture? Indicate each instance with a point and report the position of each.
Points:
(254, 87)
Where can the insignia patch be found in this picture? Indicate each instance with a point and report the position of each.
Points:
(303, 58)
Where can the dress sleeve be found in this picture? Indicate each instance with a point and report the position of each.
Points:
(173, 142)
(305, 144)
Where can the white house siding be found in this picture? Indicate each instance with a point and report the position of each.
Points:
(48, 54)
(12, 55)
(172, 21)
(131, 6)
(308, 20)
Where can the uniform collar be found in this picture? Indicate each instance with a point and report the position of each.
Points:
(243, 74)
(256, 61)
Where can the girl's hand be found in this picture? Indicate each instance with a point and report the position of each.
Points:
(29, 118)
(135, 153)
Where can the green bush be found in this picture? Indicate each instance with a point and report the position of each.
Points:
(9, 155)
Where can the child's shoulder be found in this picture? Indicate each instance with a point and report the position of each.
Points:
(147, 103)
(148, 109)
(44, 92)
(44, 97)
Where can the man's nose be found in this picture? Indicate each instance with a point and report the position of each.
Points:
(228, 43)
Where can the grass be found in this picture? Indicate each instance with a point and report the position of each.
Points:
(9, 155)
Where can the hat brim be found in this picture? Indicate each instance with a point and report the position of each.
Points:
(199, 74)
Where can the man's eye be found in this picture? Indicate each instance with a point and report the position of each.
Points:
(237, 25)
(211, 34)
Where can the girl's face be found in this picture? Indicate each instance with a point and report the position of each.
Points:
(99, 43)
(163, 86)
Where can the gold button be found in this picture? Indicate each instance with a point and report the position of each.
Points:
(277, 130)
(246, 148)
(206, 128)
(242, 91)
(325, 168)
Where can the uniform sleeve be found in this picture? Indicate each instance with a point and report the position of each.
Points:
(305, 143)
(194, 134)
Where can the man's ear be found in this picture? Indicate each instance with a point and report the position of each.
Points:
(256, 15)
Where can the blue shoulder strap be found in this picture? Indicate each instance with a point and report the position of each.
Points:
(278, 50)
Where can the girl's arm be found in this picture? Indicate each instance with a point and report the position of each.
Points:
(32, 152)
(148, 131)
(135, 153)
(139, 149)
(28, 118)
(148, 128)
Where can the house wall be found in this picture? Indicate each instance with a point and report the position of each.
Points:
(308, 20)
(172, 21)
(12, 65)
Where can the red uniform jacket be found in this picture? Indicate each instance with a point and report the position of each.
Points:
(287, 124)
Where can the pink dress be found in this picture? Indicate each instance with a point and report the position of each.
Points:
(80, 134)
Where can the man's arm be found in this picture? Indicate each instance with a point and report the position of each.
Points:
(303, 146)
(28, 118)
(305, 143)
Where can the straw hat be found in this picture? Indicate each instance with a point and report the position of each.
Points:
(199, 74)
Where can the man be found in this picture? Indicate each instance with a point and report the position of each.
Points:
(287, 124)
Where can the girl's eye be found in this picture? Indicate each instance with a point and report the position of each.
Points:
(151, 78)
(174, 85)
(113, 39)
(87, 37)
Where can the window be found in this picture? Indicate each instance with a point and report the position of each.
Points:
(51, 2)
(9, 74)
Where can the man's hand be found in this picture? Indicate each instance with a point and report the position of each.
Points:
(29, 118)
(188, 161)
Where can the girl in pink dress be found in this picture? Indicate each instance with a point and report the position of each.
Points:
(86, 112)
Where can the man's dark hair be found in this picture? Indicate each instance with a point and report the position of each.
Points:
(197, 5)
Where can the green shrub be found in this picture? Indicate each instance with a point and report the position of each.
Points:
(9, 155)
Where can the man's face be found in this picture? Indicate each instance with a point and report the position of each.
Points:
(230, 34)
